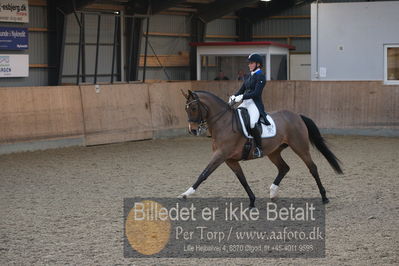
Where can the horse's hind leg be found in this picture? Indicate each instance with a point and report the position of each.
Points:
(236, 168)
(313, 170)
(304, 153)
(282, 167)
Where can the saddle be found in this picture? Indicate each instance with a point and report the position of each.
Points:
(246, 120)
(261, 125)
(266, 131)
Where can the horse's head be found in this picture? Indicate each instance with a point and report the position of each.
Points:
(197, 113)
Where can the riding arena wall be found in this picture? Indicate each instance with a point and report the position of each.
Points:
(34, 118)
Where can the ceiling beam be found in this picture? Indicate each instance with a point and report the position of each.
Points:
(199, 1)
(268, 9)
(141, 6)
(221, 8)
(69, 7)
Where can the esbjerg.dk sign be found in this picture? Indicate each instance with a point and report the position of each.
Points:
(14, 11)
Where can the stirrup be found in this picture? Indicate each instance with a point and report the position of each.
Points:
(258, 153)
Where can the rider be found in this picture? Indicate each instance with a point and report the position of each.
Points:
(251, 94)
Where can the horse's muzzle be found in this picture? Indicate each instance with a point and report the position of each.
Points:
(198, 131)
(193, 132)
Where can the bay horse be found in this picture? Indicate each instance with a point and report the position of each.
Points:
(207, 111)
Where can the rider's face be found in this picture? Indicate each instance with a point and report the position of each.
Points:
(252, 66)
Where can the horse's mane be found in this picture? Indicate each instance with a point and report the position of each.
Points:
(213, 96)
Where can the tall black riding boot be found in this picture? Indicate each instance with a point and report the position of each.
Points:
(265, 121)
(258, 142)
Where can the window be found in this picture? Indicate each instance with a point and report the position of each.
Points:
(391, 64)
(224, 67)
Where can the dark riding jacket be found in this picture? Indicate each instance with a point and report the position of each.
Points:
(252, 89)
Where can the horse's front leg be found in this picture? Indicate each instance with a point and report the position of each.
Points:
(216, 161)
(236, 168)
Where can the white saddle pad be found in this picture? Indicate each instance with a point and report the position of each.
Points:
(267, 131)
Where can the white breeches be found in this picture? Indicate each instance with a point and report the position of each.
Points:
(253, 111)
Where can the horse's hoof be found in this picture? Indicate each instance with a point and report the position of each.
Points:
(273, 191)
(187, 193)
(182, 196)
(325, 200)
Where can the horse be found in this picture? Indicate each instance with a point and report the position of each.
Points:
(207, 111)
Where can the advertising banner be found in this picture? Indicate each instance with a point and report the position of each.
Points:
(13, 38)
(14, 11)
(12, 65)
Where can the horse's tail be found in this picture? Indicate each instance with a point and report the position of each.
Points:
(317, 140)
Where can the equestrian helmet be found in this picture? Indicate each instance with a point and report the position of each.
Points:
(255, 58)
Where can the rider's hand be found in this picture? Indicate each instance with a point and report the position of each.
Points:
(239, 98)
(232, 99)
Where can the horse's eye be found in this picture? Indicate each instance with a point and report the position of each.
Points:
(194, 109)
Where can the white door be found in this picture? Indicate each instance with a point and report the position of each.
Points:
(300, 67)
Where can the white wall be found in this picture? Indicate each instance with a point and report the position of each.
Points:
(348, 39)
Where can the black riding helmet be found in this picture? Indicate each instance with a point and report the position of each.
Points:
(255, 58)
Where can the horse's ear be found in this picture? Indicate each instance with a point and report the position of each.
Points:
(190, 93)
(184, 94)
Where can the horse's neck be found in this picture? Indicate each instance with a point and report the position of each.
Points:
(218, 116)
(216, 110)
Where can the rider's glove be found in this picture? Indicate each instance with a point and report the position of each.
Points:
(232, 99)
(239, 98)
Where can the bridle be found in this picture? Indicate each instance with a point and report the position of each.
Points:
(202, 120)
